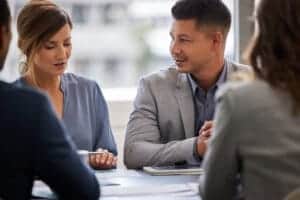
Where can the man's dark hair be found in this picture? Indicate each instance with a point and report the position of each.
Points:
(205, 12)
(4, 13)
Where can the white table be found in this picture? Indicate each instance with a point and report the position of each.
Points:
(132, 184)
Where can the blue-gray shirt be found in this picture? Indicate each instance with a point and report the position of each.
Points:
(204, 101)
(85, 113)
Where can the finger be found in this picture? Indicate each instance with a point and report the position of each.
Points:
(92, 160)
(204, 127)
(109, 160)
(103, 157)
(207, 133)
(95, 161)
(98, 161)
(209, 121)
(201, 130)
(207, 125)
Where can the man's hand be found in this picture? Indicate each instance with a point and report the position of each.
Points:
(204, 134)
(206, 129)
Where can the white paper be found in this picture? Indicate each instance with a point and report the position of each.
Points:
(116, 173)
(189, 189)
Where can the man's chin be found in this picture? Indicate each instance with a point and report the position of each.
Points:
(182, 69)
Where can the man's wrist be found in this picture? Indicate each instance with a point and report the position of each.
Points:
(195, 151)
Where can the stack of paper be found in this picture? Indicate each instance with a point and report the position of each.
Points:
(173, 170)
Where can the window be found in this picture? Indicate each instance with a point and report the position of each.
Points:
(115, 42)
(80, 13)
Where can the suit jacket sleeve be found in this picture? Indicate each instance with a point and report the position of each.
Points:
(221, 162)
(56, 161)
(104, 136)
(143, 145)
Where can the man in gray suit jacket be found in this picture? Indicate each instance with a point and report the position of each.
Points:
(170, 122)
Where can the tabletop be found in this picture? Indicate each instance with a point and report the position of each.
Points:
(126, 184)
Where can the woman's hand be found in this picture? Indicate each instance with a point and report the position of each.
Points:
(102, 160)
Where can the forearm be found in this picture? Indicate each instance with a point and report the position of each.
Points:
(142, 153)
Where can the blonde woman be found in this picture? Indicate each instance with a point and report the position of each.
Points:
(45, 39)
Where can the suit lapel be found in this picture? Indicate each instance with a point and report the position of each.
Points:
(186, 104)
(185, 101)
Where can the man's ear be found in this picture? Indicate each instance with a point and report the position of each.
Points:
(217, 38)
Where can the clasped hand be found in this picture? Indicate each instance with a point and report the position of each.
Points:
(204, 134)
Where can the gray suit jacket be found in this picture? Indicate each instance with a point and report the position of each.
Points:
(257, 136)
(161, 127)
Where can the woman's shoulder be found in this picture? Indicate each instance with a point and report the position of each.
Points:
(250, 97)
(79, 85)
(245, 89)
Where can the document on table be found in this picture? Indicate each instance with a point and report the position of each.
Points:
(42, 190)
(187, 189)
(174, 170)
(116, 173)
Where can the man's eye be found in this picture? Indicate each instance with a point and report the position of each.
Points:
(49, 46)
(184, 40)
(67, 44)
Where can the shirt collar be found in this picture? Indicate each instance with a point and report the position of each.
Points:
(222, 78)
(193, 83)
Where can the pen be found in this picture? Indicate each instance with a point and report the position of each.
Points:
(85, 152)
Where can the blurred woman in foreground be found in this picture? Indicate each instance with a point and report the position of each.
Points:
(257, 131)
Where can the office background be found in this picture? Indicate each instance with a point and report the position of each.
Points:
(115, 42)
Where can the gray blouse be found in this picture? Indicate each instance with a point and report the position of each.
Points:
(85, 113)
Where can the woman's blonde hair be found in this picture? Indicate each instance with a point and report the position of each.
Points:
(38, 21)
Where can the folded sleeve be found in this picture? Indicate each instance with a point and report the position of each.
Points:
(143, 145)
